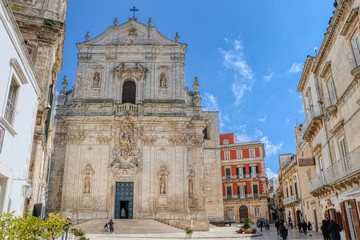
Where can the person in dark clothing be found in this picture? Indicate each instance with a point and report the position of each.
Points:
(261, 223)
(309, 228)
(300, 227)
(267, 226)
(111, 225)
(304, 226)
(334, 230)
(325, 231)
(283, 231)
(277, 225)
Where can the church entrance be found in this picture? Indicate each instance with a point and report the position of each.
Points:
(124, 200)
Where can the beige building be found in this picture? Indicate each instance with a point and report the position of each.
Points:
(42, 25)
(330, 89)
(131, 140)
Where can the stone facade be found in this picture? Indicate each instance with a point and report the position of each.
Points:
(42, 25)
(130, 120)
(330, 89)
(245, 185)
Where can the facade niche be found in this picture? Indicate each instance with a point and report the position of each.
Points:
(96, 79)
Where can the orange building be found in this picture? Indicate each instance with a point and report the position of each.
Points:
(244, 180)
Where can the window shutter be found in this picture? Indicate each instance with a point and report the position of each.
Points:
(344, 220)
(355, 217)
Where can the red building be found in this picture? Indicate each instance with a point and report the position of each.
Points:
(243, 178)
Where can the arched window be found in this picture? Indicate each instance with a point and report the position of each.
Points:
(129, 92)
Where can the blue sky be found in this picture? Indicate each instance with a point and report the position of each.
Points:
(248, 56)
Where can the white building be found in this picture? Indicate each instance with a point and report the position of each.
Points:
(19, 93)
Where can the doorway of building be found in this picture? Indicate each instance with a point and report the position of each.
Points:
(243, 212)
(124, 200)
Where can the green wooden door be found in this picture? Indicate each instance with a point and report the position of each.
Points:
(124, 200)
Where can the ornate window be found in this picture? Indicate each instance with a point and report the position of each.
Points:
(227, 155)
(225, 142)
(129, 92)
(96, 79)
(331, 90)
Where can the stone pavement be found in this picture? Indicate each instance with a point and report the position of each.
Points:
(214, 233)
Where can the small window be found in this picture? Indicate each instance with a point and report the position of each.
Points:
(331, 91)
(257, 212)
(225, 142)
(252, 153)
(239, 154)
(228, 172)
(227, 155)
(11, 101)
(355, 42)
(287, 192)
(229, 191)
(206, 133)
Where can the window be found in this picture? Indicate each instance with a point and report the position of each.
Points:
(225, 142)
(287, 192)
(227, 155)
(296, 191)
(291, 190)
(206, 133)
(240, 172)
(255, 190)
(331, 91)
(355, 42)
(129, 92)
(11, 101)
(228, 191)
(252, 153)
(257, 212)
(342, 147)
(239, 154)
(228, 172)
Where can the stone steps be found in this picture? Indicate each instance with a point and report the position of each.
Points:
(127, 226)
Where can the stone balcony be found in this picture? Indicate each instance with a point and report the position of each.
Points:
(244, 176)
(318, 182)
(128, 109)
(312, 123)
(292, 199)
(244, 196)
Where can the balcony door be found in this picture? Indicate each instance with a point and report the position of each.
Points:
(129, 92)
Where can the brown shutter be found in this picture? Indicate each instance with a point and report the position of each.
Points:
(346, 225)
(355, 217)
(339, 221)
(327, 215)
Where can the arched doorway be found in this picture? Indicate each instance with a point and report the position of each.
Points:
(129, 92)
(243, 212)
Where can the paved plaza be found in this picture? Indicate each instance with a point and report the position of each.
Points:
(214, 233)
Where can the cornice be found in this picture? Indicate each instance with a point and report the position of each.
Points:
(305, 73)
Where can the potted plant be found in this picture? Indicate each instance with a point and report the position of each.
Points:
(239, 231)
(189, 232)
(253, 230)
(246, 225)
(79, 234)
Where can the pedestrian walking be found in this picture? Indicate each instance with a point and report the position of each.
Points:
(283, 231)
(111, 226)
(309, 228)
(261, 223)
(66, 228)
(325, 231)
(277, 225)
(334, 230)
(304, 226)
(290, 222)
(267, 226)
(300, 227)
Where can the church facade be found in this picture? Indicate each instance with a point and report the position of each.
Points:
(131, 141)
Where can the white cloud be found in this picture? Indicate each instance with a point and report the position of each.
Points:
(262, 119)
(234, 59)
(295, 68)
(210, 102)
(287, 121)
(270, 174)
(268, 77)
(270, 148)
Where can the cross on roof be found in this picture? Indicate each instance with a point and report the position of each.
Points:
(134, 10)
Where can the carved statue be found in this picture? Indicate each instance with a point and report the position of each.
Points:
(163, 83)
(162, 186)
(87, 185)
(191, 187)
(96, 82)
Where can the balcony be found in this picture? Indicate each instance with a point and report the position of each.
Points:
(244, 196)
(318, 182)
(292, 199)
(244, 176)
(312, 123)
(128, 109)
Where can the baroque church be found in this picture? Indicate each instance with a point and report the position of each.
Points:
(131, 140)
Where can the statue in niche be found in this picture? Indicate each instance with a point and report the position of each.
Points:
(96, 80)
(87, 185)
(162, 186)
(163, 83)
(191, 187)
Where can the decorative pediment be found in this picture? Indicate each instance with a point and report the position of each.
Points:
(129, 71)
(130, 33)
(88, 170)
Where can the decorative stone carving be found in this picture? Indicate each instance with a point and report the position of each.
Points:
(87, 185)
(75, 137)
(87, 36)
(125, 173)
(116, 22)
(88, 171)
(163, 175)
(196, 98)
(62, 96)
(163, 76)
(132, 35)
(180, 140)
(177, 38)
(96, 79)
(150, 22)
(134, 72)
(60, 140)
(148, 140)
(197, 141)
(177, 57)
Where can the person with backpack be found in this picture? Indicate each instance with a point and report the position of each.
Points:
(283, 231)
